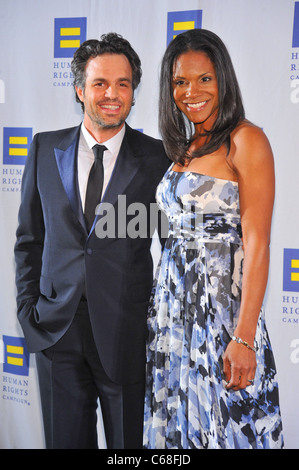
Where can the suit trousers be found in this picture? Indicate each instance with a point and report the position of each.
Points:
(72, 380)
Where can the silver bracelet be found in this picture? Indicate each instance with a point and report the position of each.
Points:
(240, 341)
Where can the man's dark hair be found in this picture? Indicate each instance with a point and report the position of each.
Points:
(110, 43)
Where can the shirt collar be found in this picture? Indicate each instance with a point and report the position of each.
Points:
(113, 144)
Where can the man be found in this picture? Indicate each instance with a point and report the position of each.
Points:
(82, 297)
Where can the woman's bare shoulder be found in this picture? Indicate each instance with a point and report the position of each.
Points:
(248, 142)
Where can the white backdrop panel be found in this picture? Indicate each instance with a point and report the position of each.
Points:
(36, 94)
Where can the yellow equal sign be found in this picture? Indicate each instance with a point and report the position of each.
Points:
(16, 361)
(183, 26)
(295, 264)
(70, 43)
(15, 151)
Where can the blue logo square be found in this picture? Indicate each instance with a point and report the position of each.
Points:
(291, 270)
(69, 33)
(181, 21)
(16, 356)
(16, 143)
(296, 26)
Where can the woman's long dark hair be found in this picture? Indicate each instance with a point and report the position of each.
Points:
(175, 129)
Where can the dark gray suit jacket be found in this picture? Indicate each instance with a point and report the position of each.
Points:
(56, 258)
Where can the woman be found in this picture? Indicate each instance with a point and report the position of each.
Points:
(211, 373)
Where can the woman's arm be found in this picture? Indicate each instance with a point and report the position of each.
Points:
(252, 160)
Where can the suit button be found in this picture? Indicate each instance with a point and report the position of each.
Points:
(89, 251)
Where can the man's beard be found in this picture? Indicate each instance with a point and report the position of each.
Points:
(102, 123)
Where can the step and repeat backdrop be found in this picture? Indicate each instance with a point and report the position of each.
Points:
(38, 39)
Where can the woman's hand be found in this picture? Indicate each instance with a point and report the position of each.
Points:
(239, 365)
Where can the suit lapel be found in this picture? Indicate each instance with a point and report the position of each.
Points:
(66, 159)
(126, 167)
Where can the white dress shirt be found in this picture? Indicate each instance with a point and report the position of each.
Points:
(86, 158)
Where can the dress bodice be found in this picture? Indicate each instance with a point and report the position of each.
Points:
(200, 206)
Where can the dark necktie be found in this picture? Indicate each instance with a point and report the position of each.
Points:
(94, 185)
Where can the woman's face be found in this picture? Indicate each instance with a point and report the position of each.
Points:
(195, 88)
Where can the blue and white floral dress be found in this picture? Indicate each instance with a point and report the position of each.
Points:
(193, 312)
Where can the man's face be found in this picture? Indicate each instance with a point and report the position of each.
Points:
(108, 93)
